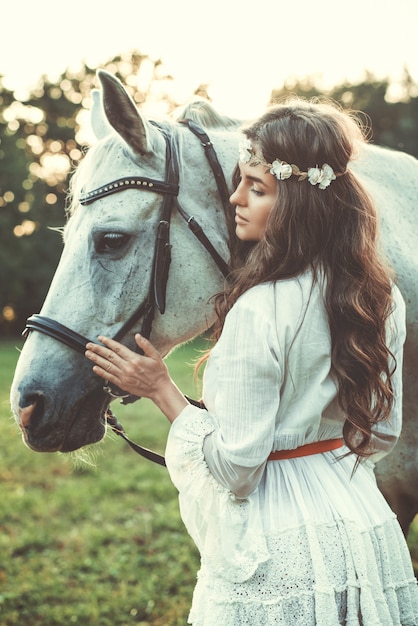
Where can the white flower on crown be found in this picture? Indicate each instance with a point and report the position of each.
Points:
(245, 151)
(321, 176)
(281, 170)
(327, 176)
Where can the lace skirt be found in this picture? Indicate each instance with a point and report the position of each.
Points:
(337, 555)
(319, 575)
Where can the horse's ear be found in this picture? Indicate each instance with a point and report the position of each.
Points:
(123, 115)
(99, 123)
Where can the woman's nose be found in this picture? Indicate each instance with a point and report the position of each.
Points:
(236, 197)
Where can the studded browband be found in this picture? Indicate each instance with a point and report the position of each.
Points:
(133, 182)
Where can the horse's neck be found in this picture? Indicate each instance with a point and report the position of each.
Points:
(194, 277)
(198, 190)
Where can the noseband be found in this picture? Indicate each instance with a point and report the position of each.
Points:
(156, 297)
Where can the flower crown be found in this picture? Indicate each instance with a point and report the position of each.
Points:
(321, 176)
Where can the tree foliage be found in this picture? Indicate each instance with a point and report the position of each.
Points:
(391, 110)
(40, 145)
(42, 141)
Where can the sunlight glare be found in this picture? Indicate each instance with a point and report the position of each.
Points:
(241, 50)
(26, 228)
(8, 314)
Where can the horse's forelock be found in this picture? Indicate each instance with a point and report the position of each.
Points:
(95, 156)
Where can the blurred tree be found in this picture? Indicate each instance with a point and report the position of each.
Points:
(391, 110)
(38, 149)
(41, 142)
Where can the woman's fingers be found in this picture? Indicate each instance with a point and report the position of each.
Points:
(103, 367)
(147, 347)
(104, 362)
(111, 351)
(141, 374)
(108, 359)
(115, 347)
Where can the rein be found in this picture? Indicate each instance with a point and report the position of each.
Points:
(160, 268)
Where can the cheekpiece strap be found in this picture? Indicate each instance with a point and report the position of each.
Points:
(133, 182)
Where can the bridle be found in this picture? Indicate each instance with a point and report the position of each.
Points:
(156, 298)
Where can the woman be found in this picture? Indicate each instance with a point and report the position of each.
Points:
(303, 394)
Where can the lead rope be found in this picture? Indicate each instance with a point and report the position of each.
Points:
(118, 429)
(145, 452)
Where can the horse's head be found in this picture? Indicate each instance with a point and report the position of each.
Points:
(106, 268)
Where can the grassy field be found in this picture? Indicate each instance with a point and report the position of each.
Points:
(98, 544)
(93, 545)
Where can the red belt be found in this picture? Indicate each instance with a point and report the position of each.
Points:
(309, 448)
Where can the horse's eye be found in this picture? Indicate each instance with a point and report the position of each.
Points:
(111, 241)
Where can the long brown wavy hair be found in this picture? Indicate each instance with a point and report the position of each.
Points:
(333, 231)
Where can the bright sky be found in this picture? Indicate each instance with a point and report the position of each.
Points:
(242, 48)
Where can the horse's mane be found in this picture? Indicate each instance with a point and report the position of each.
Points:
(202, 112)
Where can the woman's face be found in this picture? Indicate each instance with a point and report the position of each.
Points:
(253, 199)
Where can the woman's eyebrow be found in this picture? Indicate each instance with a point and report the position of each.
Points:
(255, 179)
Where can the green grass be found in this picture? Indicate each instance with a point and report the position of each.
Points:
(95, 545)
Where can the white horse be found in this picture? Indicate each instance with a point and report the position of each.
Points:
(107, 261)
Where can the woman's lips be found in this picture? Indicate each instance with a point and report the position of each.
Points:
(239, 219)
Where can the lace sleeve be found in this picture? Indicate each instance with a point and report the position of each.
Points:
(227, 531)
(241, 480)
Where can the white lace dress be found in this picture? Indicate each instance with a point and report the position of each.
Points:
(297, 542)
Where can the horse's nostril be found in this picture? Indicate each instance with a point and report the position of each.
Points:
(25, 414)
(28, 413)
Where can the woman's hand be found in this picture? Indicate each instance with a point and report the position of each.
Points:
(135, 374)
(141, 375)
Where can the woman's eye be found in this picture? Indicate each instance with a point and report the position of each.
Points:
(111, 241)
(257, 192)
